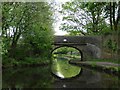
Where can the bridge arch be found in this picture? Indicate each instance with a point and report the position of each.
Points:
(88, 46)
(80, 51)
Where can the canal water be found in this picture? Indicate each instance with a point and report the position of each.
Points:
(60, 74)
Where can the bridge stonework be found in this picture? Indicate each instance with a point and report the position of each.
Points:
(88, 46)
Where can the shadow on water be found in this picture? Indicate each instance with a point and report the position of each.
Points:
(29, 77)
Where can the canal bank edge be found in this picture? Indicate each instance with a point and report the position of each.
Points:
(107, 67)
(26, 65)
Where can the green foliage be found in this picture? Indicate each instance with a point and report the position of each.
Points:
(28, 61)
(111, 45)
(26, 30)
(40, 40)
(3, 49)
(66, 50)
(62, 50)
(9, 62)
(67, 53)
(31, 60)
(106, 60)
(63, 67)
(90, 20)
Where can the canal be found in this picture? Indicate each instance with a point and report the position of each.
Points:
(60, 74)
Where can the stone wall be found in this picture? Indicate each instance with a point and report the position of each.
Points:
(89, 46)
(96, 40)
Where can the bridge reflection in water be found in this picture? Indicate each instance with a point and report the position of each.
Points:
(40, 77)
(62, 69)
(60, 63)
(69, 76)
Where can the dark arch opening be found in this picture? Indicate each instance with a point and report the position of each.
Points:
(81, 54)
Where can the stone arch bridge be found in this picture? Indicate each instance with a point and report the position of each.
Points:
(88, 46)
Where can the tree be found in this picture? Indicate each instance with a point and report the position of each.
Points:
(26, 23)
(112, 11)
(83, 17)
(40, 34)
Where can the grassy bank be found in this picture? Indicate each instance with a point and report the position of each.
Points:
(28, 61)
(116, 61)
(111, 68)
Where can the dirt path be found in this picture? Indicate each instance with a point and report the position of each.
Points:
(97, 63)
(103, 66)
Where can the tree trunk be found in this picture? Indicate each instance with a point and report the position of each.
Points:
(14, 45)
(113, 15)
(111, 25)
(118, 17)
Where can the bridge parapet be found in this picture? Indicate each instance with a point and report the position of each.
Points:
(95, 40)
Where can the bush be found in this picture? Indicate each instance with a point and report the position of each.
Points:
(9, 62)
(31, 60)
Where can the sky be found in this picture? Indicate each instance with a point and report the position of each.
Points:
(59, 21)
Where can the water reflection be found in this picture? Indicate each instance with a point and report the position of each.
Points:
(60, 64)
(89, 79)
(63, 69)
(40, 77)
(28, 77)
